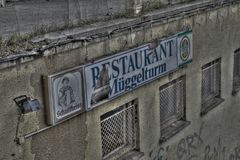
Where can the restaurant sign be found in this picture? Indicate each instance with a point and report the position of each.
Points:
(73, 91)
(110, 77)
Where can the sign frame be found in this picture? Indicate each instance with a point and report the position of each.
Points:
(89, 93)
(70, 95)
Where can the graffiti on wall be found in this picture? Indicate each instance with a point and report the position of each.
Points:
(193, 147)
(187, 147)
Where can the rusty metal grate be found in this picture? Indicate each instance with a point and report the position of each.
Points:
(211, 79)
(119, 130)
(172, 101)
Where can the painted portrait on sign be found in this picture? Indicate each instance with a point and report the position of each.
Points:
(67, 94)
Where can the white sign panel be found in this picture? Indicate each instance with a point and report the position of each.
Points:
(110, 77)
(65, 95)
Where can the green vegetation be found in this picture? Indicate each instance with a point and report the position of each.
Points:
(127, 14)
(153, 5)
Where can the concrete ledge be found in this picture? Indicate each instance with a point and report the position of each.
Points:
(210, 105)
(172, 130)
(78, 37)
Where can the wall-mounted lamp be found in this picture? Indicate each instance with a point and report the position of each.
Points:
(27, 104)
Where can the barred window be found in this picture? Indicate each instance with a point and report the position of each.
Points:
(119, 131)
(236, 71)
(211, 85)
(172, 108)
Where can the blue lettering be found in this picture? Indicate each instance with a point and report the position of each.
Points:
(115, 68)
(155, 56)
(170, 43)
(162, 50)
(146, 58)
(113, 87)
(127, 84)
(121, 84)
(123, 64)
(139, 77)
(134, 84)
(138, 66)
(95, 75)
(131, 64)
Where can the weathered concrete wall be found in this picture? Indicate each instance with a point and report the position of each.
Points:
(27, 15)
(26, 79)
(30, 16)
(213, 136)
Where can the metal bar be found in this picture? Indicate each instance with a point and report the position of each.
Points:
(117, 113)
(36, 132)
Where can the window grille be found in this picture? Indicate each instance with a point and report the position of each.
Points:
(172, 102)
(211, 80)
(119, 130)
(236, 71)
(211, 86)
